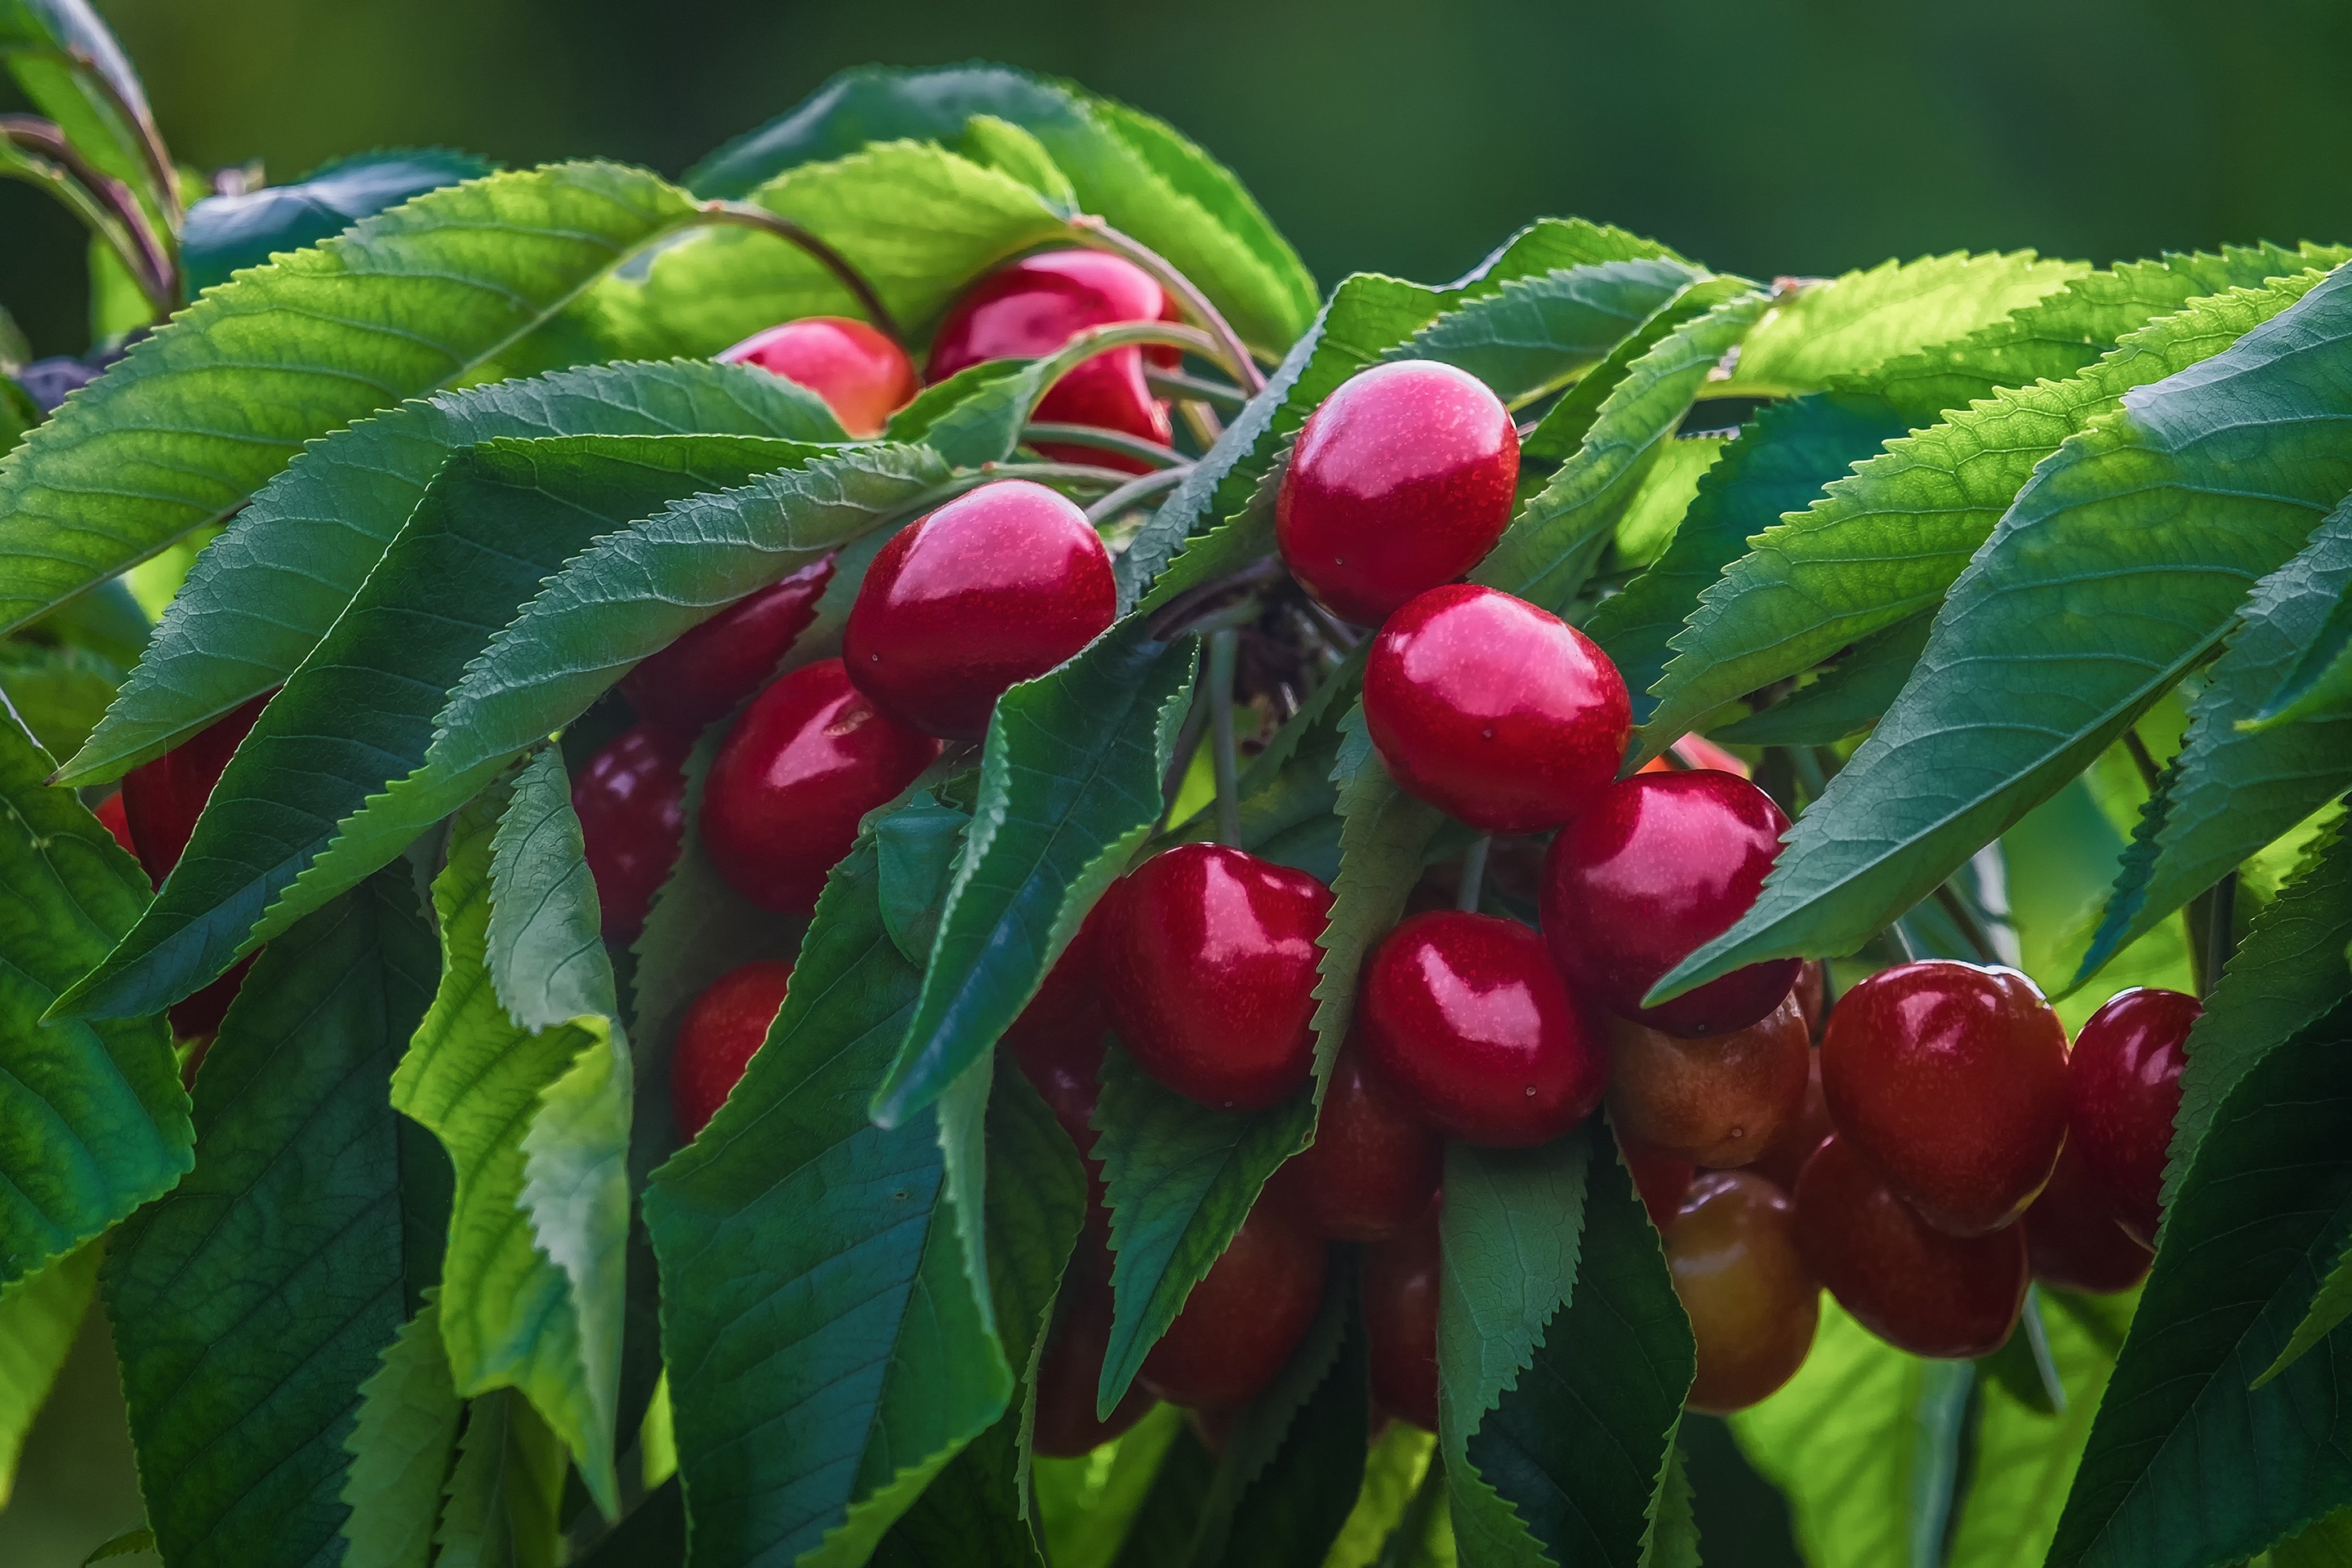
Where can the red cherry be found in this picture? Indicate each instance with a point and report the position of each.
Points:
(717, 664)
(862, 375)
(1662, 1181)
(1662, 864)
(716, 1039)
(1039, 303)
(1466, 1017)
(1719, 1101)
(1244, 1318)
(2072, 1236)
(110, 813)
(1065, 1020)
(1070, 1084)
(802, 763)
(1917, 1287)
(1403, 479)
(631, 800)
(1753, 1304)
(1400, 1300)
(2123, 1091)
(1951, 1079)
(197, 1016)
(1373, 1166)
(996, 586)
(162, 798)
(1071, 1371)
(1799, 1135)
(1491, 710)
(1209, 971)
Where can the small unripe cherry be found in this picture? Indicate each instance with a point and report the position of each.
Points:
(1919, 1288)
(1753, 1303)
(2073, 1238)
(2123, 1092)
(162, 798)
(1373, 1166)
(1803, 1134)
(718, 1036)
(1952, 1081)
(1661, 1180)
(1719, 1101)
(1400, 1301)
(711, 667)
(1209, 967)
(862, 375)
(802, 763)
(1496, 712)
(1465, 1018)
(1403, 479)
(1071, 1369)
(1244, 1318)
(1662, 864)
(631, 801)
(1000, 584)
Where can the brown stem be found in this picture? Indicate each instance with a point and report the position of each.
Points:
(1235, 354)
(104, 203)
(746, 215)
(150, 141)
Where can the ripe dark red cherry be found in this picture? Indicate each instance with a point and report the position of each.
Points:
(1065, 1020)
(110, 814)
(162, 798)
(1917, 1287)
(1209, 971)
(1071, 1371)
(1662, 1180)
(631, 800)
(996, 586)
(717, 664)
(2123, 1091)
(1069, 1081)
(1752, 1302)
(2072, 1236)
(1799, 1135)
(1663, 863)
(1402, 480)
(1399, 1299)
(802, 763)
(717, 1038)
(1720, 1102)
(863, 376)
(1039, 303)
(1466, 1017)
(1951, 1079)
(1493, 710)
(1373, 1166)
(1244, 1318)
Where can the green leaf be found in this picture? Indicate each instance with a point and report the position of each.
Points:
(1161, 1533)
(1000, 144)
(1564, 426)
(500, 1511)
(1658, 507)
(38, 1318)
(2187, 1465)
(196, 416)
(224, 234)
(1086, 1505)
(916, 850)
(130, 1543)
(1394, 1473)
(2118, 568)
(250, 1303)
(401, 1447)
(260, 598)
(93, 1119)
(2322, 1546)
(827, 1354)
(70, 66)
(2320, 685)
(531, 1285)
(2329, 1307)
(1536, 333)
(60, 693)
(1850, 697)
(1069, 790)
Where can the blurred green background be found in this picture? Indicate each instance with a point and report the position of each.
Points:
(1381, 134)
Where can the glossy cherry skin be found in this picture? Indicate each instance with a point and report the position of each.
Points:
(862, 375)
(1951, 1079)
(1803, 1134)
(1468, 1022)
(1661, 1180)
(1753, 1303)
(1069, 1080)
(1917, 1287)
(162, 798)
(1210, 972)
(631, 801)
(2072, 1236)
(1071, 1371)
(803, 762)
(1373, 1166)
(1065, 1020)
(1663, 863)
(2123, 1091)
(1493, 710)
(1244, 1318)
(716, 1039)
(1402, 480)
(710, 668)
(1000, 584)
(1031, 309)
(1399, 1302)
(1720, 1102)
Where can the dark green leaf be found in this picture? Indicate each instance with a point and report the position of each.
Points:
(2329, 1307)
(504, 1493)
(70, 66)
(1562, 429)
(2323, 1545)
(972, 417)
(60, 693)
(224, 234)
(1849, 697)
(1161, 1535)
(1086, 1505)
(917, 851)
(402, 1442)
(38, 1318)
(1537, 333)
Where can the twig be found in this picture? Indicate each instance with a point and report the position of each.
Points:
(1949, 899)
(746, 215)
(1225, 651)
(1474, 873)
(1178, 386)
(1234, 355)
(1119, 441)
(1141, 488)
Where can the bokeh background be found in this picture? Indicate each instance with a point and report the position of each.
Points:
(1806, 136)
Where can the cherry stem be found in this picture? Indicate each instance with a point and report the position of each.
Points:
(1225, 654)
(1473, 873)
(1119, 441)
(1178, 386)
(2213, 931)
(1052, 474)
(1902, 941)
(1203, 421)
(746, 215)
(1092, 231)
(1180, 762)
(1949, 898)
(104, 203)
(1142, 488)
(2149, 773)
(150, 139)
